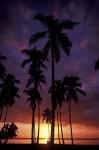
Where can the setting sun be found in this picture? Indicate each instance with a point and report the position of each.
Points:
(44, 133)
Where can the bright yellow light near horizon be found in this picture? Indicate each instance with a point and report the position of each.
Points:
(44, 133)
(25, 131)
(79, 130)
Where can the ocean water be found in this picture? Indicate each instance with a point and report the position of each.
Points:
(83, 141)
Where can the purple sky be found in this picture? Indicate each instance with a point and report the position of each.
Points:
(16, 26)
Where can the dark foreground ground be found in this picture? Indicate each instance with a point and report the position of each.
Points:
(47, 147)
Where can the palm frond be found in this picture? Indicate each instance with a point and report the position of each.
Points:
(38, 36)
(74, 96)
(25, 51)
(81, 91)
(2, 57)
(97, 64)
(56, 52)
(26, 61)
(67, 24)
(40, 17)
(44, 20)
(46, 48)
(65, 43)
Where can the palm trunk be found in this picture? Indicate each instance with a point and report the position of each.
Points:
(70, 122)
(33, 127)
(53, 100)
(61, 125)
(48, 132)
(58, 126)
(1, 112)
(38, 123)
(6, 115)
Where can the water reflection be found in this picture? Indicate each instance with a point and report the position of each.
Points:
(84, 141)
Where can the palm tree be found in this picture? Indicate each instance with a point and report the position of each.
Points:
(73, 87)
(36, 61)
(59, 93)
(36, 80)
(57, 39)
(97, 64)
(33, 98)
(47, 116)
(9, 92)
(2, 75)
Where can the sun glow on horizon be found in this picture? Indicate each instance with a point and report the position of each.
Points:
(44, 133)
(24, 131)
(79, 131)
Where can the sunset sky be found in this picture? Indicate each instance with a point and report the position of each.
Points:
(16, 27)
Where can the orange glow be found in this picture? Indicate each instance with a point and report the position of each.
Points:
(79, 131)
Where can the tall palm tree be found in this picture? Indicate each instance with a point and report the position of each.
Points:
(73, 87)
(9, 92)
(59, 93)
(2, 75)
(33, 98)
(97, 64)
(36, 80)
(36, 61)
(47, 116)
(57, 39)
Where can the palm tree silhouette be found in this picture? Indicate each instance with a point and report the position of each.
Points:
(59, 93)
(9, 92)
(2, 75)
(47, 116)
(97, 64)
(57, 39)
(34, 97)
(73, 87)
(36, 81)
(36, 61)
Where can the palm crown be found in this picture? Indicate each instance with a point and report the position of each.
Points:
(59, 92)
(9, 90)
(47, 115)
(35, 58)
(55, 35)
(36, 79)
(73, 86)
(33, 97)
